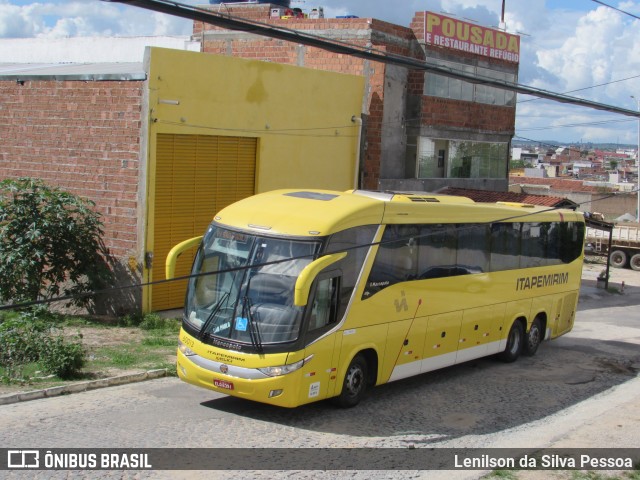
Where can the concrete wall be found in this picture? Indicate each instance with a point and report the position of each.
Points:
(88, 49)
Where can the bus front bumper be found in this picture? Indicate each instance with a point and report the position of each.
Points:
(201, 372)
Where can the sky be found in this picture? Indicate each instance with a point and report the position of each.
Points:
(578, 46)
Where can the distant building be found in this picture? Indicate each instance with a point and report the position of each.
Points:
(589, 197)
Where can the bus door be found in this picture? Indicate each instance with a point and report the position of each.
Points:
(319, 377)
(480, 332)
(566, 308)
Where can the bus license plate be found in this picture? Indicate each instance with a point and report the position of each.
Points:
(223, 384)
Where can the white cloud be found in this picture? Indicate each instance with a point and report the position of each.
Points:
(65, 18)
(16, 22)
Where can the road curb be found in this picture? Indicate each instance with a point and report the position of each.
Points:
(81, 386)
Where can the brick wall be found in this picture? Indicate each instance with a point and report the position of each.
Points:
(82, 137)
(467, 115)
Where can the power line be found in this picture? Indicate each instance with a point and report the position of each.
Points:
(457, 227)
(572, 125)
(616, 9)
(585, 88)
(546, 144)
(367, 53)
(287, 132)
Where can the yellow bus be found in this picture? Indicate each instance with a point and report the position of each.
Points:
(302, 295)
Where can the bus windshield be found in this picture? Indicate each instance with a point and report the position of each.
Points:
(243, 286)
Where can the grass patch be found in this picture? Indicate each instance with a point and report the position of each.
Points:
(151, 352)
(502, 474)
(155, 341)
(569, 475)
(111, 349)
(591, 475)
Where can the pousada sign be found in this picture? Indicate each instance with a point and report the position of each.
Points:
(456, 34)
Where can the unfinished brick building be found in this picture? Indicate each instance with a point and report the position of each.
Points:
(421, 131)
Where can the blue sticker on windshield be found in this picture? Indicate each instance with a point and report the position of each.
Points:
(241, 324)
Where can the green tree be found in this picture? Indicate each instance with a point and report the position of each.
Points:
(50, 243)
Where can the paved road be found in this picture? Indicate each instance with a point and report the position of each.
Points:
(535, 402)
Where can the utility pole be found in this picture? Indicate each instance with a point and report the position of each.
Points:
(638, 165)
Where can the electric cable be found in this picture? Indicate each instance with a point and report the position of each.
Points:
(301, 257)
(230, 22)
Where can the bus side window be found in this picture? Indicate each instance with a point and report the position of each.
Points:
(325, 304)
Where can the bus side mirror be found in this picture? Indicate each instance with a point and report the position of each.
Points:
(308, 275)
(175, 252)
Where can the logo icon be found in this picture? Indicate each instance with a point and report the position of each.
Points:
(224, 368)
(401, 304)
(23, 459)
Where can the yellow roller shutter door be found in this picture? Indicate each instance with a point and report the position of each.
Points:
(196, 176)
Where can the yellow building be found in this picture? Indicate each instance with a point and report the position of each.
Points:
(223, 128)
(162, 145)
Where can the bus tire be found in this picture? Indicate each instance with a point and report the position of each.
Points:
(355, 383)
(635, 262)
(533, 339)
(515, 341)
(618, 259)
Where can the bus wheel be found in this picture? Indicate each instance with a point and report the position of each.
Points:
(635, 262)
(533, 338)
(515, 341)
(355, 383)
(618, 258)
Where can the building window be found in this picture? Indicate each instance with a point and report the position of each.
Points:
(444, 87)
(439, 158)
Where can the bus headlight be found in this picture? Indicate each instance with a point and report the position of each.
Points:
(184, 349)
(285, 369)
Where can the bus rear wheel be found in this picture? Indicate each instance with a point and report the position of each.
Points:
(515, 341)
(533, 338)
(355, 382)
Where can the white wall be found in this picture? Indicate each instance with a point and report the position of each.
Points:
(87, 49)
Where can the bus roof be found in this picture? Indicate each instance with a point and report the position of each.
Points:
(315, 212)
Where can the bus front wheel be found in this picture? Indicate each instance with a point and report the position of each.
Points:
(515, 341)
(533, 338)
(355, 382)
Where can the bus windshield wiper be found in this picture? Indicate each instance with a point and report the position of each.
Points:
(254, 330)
(212, 315)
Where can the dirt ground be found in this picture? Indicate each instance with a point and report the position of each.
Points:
(92, 338)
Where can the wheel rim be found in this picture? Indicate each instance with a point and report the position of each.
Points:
(534, 336)
(618, 259)
(354, 381)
